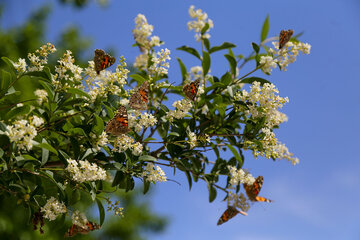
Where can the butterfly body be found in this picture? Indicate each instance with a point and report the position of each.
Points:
(139, 99)
(252, 191)
(119, 123)
(229, 213)
(102, 60)
(90, 226)
(190, 90)
(285, 37)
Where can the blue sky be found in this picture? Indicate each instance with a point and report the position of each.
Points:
(317, 199)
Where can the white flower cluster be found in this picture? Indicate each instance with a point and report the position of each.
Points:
(284, 56)
(67, 66)
(22, 132)
(79, 219)
(124, 142)
(41, 94)
(101, 140)
(138, 120)
(147, 120)
(240, 176)
(53, 208)
(192, 140)
(142, 32)
(20, 66)
(39, 58)
(264, 103)
(84, 171)
(200, 19)
(154, 174)
(182, 108)
(159, 65)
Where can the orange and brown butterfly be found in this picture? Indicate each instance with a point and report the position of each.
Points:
(285, 37)
(252, 191)
(139, 99)
(119, 123)
(90, 226)
(229, 213)
(191, 89)
(102, 60)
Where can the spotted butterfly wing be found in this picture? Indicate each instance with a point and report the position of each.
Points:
(139, 99)
(190, 90)
(285, 37)
(229, 213)
(90, 226)
(119, 123)
(102, 60)
(252, 191)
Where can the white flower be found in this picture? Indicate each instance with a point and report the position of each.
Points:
(142, 31)
(39, 58)
(240, 176)
(19, 105)
(68, 70)
(192, 140)
(101, 140)
(42, 96)
(155, 41)
(20, 65)
(147, 120)
(84, 171)
(36, 121)
(137, 149)
(154, 174)
(122, 143)
(200, 19)
(267, 63)
(53, 208)
(182, 108)
(124, 102)
(160, 66)
(22, 133)
(79, 219)
(205, 109)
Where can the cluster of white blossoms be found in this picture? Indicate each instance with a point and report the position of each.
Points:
(20, 65)
(53, 208)
(240, 176)
(67, 70)
(106, 82)
(160, 65)
(79, 219)
(192, 140)
(101, 140)
(264, 102)
(147, 120)
(154, 173)
(39, 58)
(138, 120)
(124, 142)
(284, 56)
(182, 108)
(41, 95)
(23, 132)
(84, 171)
(200, 19)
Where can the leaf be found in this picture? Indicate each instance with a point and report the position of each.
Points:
(147, 158)
(250, 80)
(190, 50)
(44, 154)
(182, 68)
(146, 186)
(9, 63)
(77, 131)
(99, 125)
(46, 146)
(101, 211)
(205, 28)
(226, 79)
(255, 47)
(138, 78)
(235, 153)
(5, 80)
(265, 29)
(206, 43)
(189, 178)
(225, 45)
(78, 92)
(212, 192)
(206, 63)
(174, 134)
(24, 110)
(232, 63)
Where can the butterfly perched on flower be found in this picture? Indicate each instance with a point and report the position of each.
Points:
(229, 213)
(139, 99)
(252, 191)
(119, 123)
(89, 226)
(285, 37)
(191, 89)
(102, 60)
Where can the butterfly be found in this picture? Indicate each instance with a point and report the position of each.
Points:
(229, 213)
(102, 60)
(285, 37)
(119, 123)
(191, 89)
(253, 190)
(90, 226)
(139, 99)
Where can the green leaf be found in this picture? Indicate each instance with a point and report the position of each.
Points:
(189, 178)
(24, 110)
(44, 154)
(226, 79)
(146, 186)
(182, 68)
(147, 158)
(232, 62)
(190, 50)
(265, 29)
(250, 80)
(77, 131)
(47, 146)
(101, 211)
(138, 78)
(255, 47)
(47, 86)
(206, 43)
(9, 63)
(174, 134)
(206, 63)
(236, 154)
(5, 80)
(99, 125)
(78, 92)
(225, 45)
(212, 192)
(205, 28)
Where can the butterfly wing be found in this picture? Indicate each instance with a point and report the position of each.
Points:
(72, 231)
(252, 191)
(229, 213)
(119, 123)
(190, 90)
(102, 60)
(285, 37)
(139, 99)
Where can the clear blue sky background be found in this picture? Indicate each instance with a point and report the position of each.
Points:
(317, 199)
